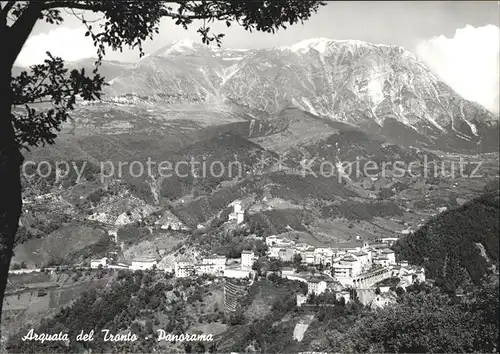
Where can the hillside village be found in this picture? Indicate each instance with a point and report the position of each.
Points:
(354, 265)
(234, 242)
(317, 280)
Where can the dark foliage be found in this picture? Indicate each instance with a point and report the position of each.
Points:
(132, 302)
(428, 322)
(450, 246)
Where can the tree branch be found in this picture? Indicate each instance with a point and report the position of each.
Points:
(7, 8)
(92, 7)
(4, 15)
(70, 5)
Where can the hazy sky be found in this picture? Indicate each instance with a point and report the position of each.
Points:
(459, 40)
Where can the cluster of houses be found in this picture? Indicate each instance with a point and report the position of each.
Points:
(357, 264)
(364, 284)
(347, 261)
(137, 264)
(408, 273)
(354, 264)
(216, 265)
(319, 285)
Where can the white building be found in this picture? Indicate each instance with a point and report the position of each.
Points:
(238, 213)
(308, 257)
(390, 255)
(205, 268)
(183, 269)
(343, 273)
(214, 265)
(271, 240)
(301, 299)
(114, 233)
(95, 263)
(364, 259)
(218, 261)
(143, 264)
(381, 260)
(389, 240)
(211, 265)
(247, 259)
(316, 286)
(408, 274)
(279, 242)
(323, 256)
(346, 268)
(353, 261)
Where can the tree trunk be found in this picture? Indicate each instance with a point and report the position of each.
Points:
(10, 182)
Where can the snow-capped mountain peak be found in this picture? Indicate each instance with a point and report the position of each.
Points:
(319, 44)
(350, 81)
(184, 43)
(183, 46)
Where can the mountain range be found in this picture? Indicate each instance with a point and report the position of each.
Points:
(378, 88)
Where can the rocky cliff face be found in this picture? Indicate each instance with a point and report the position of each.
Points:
(354, 82)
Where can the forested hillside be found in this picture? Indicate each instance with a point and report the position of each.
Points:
(459, 246)
(422, 320)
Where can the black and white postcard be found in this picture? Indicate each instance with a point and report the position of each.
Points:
(261, 176)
